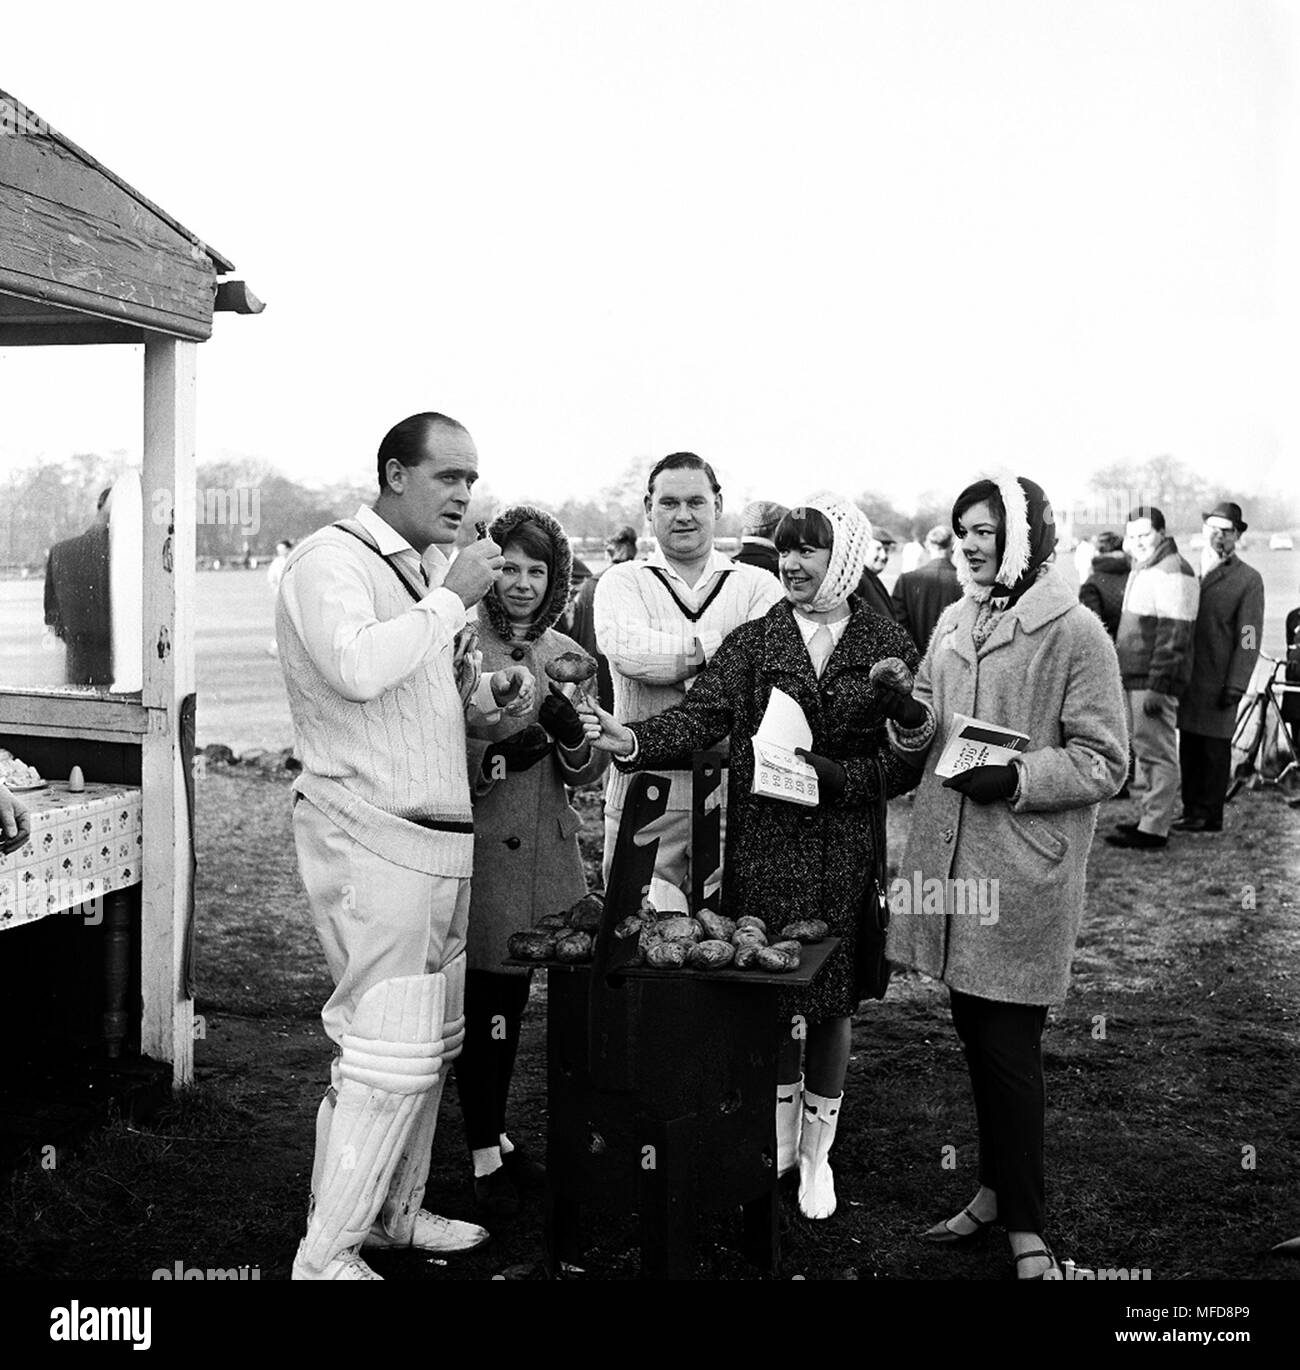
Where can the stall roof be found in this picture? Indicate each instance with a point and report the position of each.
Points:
(84, 257)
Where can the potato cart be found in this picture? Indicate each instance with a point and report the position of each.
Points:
(662, 1082)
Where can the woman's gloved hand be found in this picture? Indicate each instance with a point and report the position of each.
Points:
(894, 681)
(985, 784)
(518, 752)
(561, 720)
(832, 778)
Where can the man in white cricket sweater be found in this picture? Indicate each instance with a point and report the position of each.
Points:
(371, 622)
(658, 621)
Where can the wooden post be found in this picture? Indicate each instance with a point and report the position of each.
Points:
(167, 1030)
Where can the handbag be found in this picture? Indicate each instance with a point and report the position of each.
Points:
(871, 967)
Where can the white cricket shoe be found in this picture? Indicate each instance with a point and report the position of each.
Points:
(346, 1266)
(429, 1232)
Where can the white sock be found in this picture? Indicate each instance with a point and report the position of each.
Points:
(486, 1160)
(507, 1146)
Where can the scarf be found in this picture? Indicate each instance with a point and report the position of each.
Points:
(850, 546)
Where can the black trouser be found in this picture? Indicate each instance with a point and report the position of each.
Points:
(1004, 1055)
(494, 1010)
(1206, 763)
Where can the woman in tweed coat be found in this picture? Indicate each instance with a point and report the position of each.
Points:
(526, 858)
(990, 894)
(784, 861)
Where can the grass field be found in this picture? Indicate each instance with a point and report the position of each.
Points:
(1173, 1089)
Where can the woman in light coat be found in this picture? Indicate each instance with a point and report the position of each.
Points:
(526, 858)
(991, 891)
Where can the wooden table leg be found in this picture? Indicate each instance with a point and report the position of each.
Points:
(117, 970)
(762, 1230)
(667, 1201)
(561, 1233)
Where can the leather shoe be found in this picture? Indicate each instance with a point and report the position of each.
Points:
(523, 1170)
(1137, 840)
(1197, 825)
(1053, 1269)
(942, 1234)
(496, 1195)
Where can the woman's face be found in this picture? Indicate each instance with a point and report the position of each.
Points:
(523, 583)
(978, 530)
(803, 569)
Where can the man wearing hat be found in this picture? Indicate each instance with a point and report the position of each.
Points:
(758, 520)
(871, 589)
(1229, 623)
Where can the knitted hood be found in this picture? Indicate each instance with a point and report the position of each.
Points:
(850, 545)
(557, 595)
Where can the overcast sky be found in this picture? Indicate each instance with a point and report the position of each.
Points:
(882, 244)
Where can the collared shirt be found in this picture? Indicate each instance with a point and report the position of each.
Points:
(330, 606)
(808, 626)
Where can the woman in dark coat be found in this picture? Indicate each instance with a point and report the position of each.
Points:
(784, 861)
(1103, 591)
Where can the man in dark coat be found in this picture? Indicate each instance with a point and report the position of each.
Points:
(1103, 591)
(871, 589)
(76, 601)
(920, 596)
(1229, 624)
(758, 522)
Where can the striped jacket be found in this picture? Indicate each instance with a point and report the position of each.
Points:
(1156, 623)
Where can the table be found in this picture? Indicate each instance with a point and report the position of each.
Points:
(84, 853)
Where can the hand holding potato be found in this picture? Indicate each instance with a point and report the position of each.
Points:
(603, 731)
(895, 681)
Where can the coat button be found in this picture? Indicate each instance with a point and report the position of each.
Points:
(518, 653)
(512, 843)
(948, 834)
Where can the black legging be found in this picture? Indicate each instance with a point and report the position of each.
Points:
(494, 1010)
(1004, 1056)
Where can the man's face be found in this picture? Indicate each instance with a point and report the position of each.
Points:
(683, 510)
(1140, 538)
(434, 495)
(878, 556)
(1222, 539)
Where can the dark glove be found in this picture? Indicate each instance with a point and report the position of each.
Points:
(561, 720)
(894, 681)
(1229, 699)
(832, 778)
(519, 751)
(985, 784)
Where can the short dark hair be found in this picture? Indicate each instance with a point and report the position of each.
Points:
(681, 461)
(1109, 542)
(625, 533)
(532, 541)
(407, 441)
(1148, 511)
(982, 492)
(804, 526)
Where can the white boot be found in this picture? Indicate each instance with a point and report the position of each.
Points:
(816, 1184)
(789, 1112)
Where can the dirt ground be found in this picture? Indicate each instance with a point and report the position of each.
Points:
(1173, 1089)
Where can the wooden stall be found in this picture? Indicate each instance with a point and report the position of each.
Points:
(85, 259)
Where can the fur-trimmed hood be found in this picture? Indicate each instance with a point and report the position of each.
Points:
(557, 595)
(1028, 539)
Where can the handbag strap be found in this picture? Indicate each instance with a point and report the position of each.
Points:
(878, 818)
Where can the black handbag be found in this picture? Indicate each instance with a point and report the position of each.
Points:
(871, 967)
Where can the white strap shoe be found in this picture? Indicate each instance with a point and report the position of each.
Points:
(816, 1183)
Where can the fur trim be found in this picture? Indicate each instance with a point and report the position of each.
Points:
(557, 593)
(1015, 558)
(850, 545)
